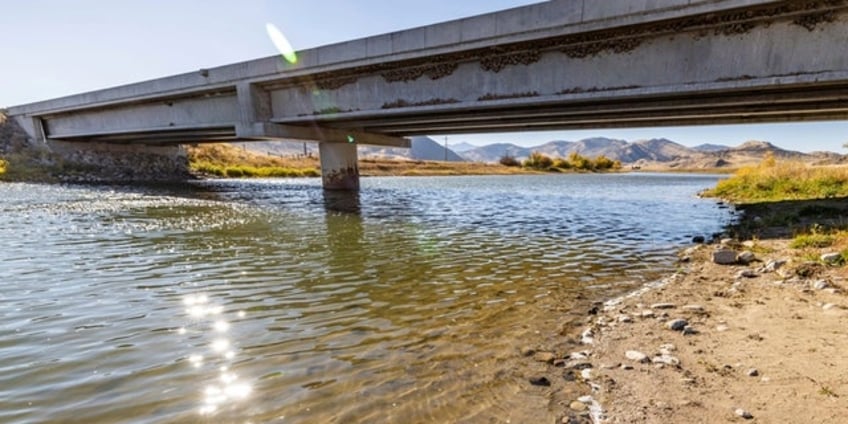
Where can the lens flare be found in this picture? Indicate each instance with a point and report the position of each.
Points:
(281, 43)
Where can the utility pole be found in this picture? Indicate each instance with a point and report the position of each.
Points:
(446, 148)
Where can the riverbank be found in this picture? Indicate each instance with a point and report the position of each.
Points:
(760, 338)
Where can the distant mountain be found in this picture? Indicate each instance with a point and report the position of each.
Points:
(707, 147)
(423, 148)
(656, 153)
(461, 147)
(494, 152)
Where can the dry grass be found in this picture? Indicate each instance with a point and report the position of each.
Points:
(225, 160)
(776, 181)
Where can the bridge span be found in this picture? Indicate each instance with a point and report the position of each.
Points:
(561, 64)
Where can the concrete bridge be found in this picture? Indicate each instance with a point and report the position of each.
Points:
(562, 64)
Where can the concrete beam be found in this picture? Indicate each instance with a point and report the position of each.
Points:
(322, 134)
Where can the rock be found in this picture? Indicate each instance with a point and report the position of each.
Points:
(544, 357)
(722, 328)
(744, 414)
(745, 258)
(753, 372)
(610, 366)
(586, 374)
(540, 381)
(774, 265)
(580, 355)
(666, 349)
(663, 306)
(647, 314)
(577, 406)
(724, 257)
(578, 365)
(689, 330)
(726, 241)
(698, 239)
(820, 284)
(587, 337)
(588, 399)
(696, 309)
(626, 367)
(625, 318)
(749, 244)
(747, 273)
(635, 355)
(831, 258)
(666, 359)
(527, 351)
(677, 324)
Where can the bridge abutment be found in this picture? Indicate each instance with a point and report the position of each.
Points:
(339, 168)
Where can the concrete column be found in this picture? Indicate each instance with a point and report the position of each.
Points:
(339, 168)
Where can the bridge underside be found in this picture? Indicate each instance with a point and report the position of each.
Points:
(564, 64)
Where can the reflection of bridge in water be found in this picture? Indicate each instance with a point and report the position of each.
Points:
(555, 65)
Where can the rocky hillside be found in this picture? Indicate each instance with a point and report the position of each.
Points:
(423, 148)
(655, 153)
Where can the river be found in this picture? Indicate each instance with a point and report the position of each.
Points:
(256, 301)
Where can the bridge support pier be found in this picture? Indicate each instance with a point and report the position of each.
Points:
(339, 168)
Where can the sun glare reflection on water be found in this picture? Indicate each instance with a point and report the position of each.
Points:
(228, 388)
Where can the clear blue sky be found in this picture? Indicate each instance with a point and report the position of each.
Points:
(52, 48)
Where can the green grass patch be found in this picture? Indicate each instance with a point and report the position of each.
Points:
(814, 240)
(247, 171)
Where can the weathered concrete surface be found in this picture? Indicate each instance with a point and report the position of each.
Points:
(554, 65)
(339, 166)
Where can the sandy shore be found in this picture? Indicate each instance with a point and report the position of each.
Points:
(763, 342)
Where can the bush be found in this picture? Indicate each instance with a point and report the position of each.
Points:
(538, 161)
(509, 160)
(3, 166)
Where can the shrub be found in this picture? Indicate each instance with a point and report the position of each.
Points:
(538, 161)
(509, 160)
(3, 166)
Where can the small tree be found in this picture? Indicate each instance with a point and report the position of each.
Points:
(538, 161)
(509, 160)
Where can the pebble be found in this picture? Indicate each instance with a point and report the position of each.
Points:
(744, 414)
(635, 355)
(588, 399)
(698, 309)
(726, 241)
(544, 357)
(753, 372)
(677, 324)
(689, 330)
(749, 244)
(626, 367)
(820, 284)
(774, 265)
(647, 314)
(747, 273)
(724, 257)
(722, 328)
(831, 258)
(663, 306)
(624, 318)
(745, 258)
(540, 381)
(666, 359)
(577, 406)
(586, 374)
(588, 336)
(666, 349)
(610, 366)
(578, 365)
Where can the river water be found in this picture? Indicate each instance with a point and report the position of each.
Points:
(271, 301)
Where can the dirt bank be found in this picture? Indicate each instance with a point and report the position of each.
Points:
(758, 342)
